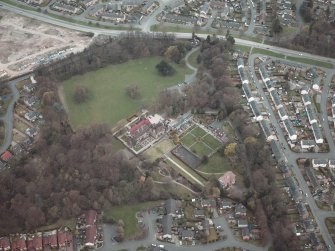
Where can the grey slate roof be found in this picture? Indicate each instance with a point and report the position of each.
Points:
(265, 125)
(316, 131)
(289, 127)
(276, 149)
(255, 108)
(293, 187)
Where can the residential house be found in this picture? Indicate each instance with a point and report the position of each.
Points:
(282, 113)
(30, 101)
(170, 207)
(187, 235)
(307, 144)
(312, 177)
(303, 212)
(208, 203)
(199, 213)
(331, 164)
(167, 227)
(35, 242)
(240, 210)
(267, 130)
(31, 132)
(33, 116)
(317, 133)
(6, 156)
(32, 79)
(291, 131)
(149, 7)
(50, 239)
(129, 5)
(255, 110)
(113, 17)
(225, 204)
(91, 236)
(319, 163)
(4, 244)
(205, 10)
(227, 179)
(90, 217)
(293, 188)
(245, 234)
(308, 226)
(275, 98)
(231, 219)
(275, 147)
(65, 239)
(29, 87)
(242, 223)
(63, 7)
(89, 3)
(315, 241)
(19, 242)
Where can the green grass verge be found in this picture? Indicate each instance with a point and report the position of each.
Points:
(127, 214)
(242, 48)
(201, 150)
(109, 102)
(172, 28)
(188, 140)
(216, 164)
(198, 132)
(250, 38)
(267, 52)
(311, 62)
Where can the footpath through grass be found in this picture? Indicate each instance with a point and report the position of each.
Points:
(109, 102)
(128, 215)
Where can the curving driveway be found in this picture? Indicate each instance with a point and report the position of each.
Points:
(8, 118)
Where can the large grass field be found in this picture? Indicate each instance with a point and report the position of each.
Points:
(127, 214)
(216, 164)
(109, 102)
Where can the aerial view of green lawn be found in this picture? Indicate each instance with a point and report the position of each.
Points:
(127, 214)
(108, 102)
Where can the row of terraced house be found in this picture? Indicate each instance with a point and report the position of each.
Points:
(56, 239)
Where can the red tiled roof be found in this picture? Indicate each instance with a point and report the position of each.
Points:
(91, 234)
(63, 238)
(19, 244)
(90, 217)
(6, 156)
(143, 122)
(4, 243)
(35, 243)
(50, 240)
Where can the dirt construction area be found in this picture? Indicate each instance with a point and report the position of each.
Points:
(26, 43)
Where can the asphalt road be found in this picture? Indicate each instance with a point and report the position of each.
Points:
(292, 157)
(96, 30)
